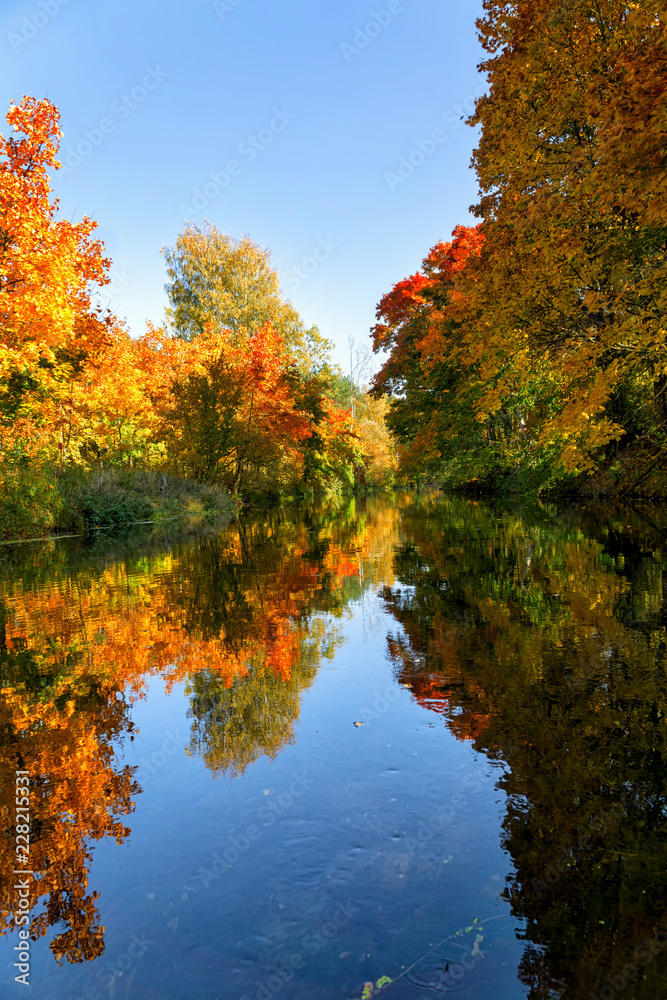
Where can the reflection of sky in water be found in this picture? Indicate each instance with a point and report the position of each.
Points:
(340, 853)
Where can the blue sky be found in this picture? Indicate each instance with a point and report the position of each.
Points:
(328, 130)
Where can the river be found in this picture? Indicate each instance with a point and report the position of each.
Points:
(404, 747)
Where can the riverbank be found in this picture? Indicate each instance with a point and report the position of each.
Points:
(638, 471)
(45, 503)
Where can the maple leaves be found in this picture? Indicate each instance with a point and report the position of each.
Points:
(47, 265)
(48, 270)
(237, 391)
(549, 316)
(425, 373)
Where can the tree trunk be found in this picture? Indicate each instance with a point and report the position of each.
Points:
(660, 398)
(120, 443)
(237, 475)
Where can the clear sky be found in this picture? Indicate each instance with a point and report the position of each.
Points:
(308, 124)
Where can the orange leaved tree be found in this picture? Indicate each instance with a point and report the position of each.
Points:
(47, 265)
(229, 412)
(48, 269)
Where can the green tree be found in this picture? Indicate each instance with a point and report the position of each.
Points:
(202, 421)
(230, 284)
(431, 389)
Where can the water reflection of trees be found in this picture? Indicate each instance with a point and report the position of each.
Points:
(242, 616)
(542, 638)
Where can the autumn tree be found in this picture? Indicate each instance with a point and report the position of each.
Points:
(203, 421)
(48, 268)
(232, 410)
(230, 283)
(425, 377)
(571, 284)
(255, 408)
(376, 442)
(547, 354)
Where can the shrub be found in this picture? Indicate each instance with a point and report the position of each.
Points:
(30, 502)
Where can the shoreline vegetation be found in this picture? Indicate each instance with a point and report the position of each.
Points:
(527, 356)
(121, 500)
(231, 401)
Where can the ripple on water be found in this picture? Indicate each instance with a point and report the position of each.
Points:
(434, 977)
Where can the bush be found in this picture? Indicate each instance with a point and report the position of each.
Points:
(30, 502)
(38, 501)
(118, 498)
(114, 509)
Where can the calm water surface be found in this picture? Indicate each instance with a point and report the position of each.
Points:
(421, 739)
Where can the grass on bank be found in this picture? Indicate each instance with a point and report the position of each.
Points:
(36, 503)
